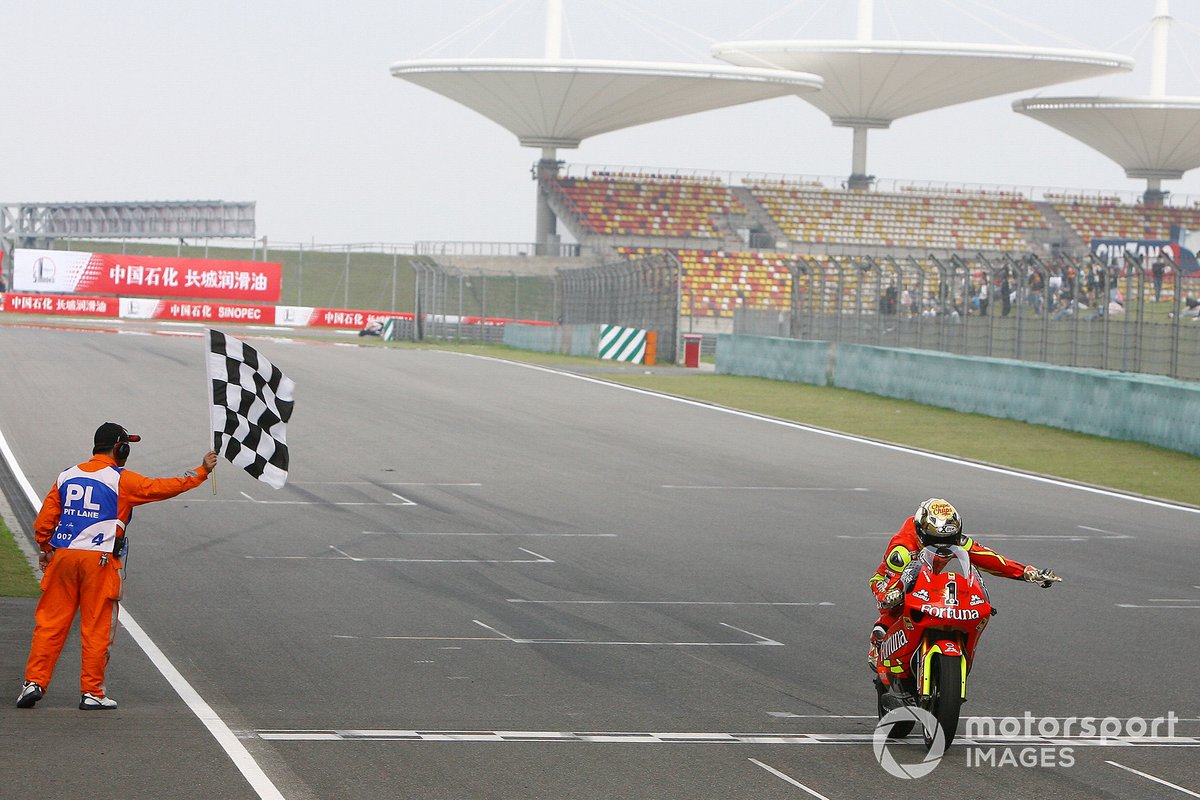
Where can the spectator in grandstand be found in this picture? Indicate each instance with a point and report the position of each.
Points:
(1192, 310)
(1036, 287)
(930, 308)
(1064, 305)
(887, 302)
(1158, 270)
(906, 302)
(1005, 294)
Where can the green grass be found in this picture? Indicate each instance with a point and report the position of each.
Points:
(16, 576)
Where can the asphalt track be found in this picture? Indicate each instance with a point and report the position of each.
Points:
(486, 580)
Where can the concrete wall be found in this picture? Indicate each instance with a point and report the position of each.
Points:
(570, 340)
(1143, 408)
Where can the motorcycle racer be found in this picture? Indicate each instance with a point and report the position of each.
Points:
(936, 522)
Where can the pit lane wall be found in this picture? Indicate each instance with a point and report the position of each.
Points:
(1116, 405)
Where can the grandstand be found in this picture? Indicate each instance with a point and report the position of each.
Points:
(749, 243)
(958, 221)
(619, 205)
(1109, 219)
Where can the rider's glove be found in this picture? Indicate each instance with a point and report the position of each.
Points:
(891, 599)
(1045, 577)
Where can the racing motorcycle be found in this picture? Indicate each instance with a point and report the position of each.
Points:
(925, 657)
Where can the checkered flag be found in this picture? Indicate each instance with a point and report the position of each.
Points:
(250, 404)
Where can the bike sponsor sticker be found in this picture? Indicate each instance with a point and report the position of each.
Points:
(893, 643)
(976, 600)
(922, 595)
(950, 613)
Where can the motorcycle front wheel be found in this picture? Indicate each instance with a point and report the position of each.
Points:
(946, 701)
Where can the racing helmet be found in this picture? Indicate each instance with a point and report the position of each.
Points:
(938, 523)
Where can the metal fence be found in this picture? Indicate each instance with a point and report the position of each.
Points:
(1071, 312)
(638, 293)
(452, 304)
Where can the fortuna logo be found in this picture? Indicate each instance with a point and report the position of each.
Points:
(976, 600)
(893, 643)
(949, 613)
(921, 594)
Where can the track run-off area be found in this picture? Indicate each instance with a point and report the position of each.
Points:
(493, 580)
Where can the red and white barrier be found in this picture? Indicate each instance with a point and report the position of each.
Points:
(59, 305)
(144, 308)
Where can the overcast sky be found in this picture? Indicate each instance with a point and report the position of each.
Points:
(291, 104)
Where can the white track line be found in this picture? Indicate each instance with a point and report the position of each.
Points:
(426, 533)
(662, 602)
(761, 641)
(790, 780)
(842, 436)
(1149, 777)
(810, 739)
(225, 737)
(772, 488)
(344, 556)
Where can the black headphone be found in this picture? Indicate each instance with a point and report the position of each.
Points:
(121, 452)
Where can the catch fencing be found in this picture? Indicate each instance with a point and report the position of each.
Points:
(1078, 312)
(639, 293)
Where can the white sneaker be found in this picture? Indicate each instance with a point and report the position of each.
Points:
(30, 694)
(90, 702)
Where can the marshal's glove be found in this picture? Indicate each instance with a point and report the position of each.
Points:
(1045, 577)
(892, 599)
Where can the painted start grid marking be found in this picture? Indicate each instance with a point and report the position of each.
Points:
(656, 737)
(341, 555)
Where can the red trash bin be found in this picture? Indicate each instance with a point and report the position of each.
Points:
(691, 349)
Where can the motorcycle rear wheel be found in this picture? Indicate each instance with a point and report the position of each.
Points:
(946, 702)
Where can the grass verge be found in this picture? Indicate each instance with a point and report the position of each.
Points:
(16, 576)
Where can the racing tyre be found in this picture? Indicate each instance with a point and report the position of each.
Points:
(947, 698)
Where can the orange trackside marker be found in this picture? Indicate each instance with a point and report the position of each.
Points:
(651, 348)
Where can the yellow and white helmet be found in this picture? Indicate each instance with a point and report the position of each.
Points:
(938, 523)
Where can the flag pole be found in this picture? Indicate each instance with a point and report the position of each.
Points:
(212, 476)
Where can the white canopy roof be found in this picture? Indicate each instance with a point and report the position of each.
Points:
(558, 103)
(869, 83)
(1151, 137)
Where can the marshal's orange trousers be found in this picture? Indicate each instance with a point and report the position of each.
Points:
(76, 580)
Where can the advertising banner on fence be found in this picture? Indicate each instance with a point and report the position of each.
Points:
(70, 305)
(1147, 250)
(141, 308)
(305, 316)
(69, 272)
